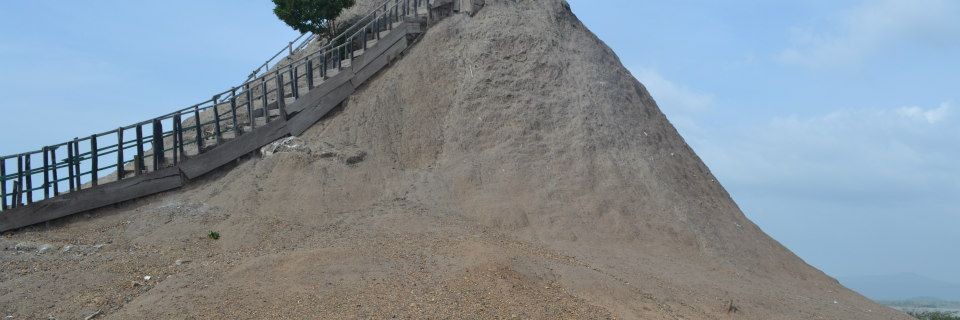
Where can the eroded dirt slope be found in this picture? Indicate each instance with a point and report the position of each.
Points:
(507, 166)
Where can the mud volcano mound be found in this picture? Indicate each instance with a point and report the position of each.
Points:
(507, 166)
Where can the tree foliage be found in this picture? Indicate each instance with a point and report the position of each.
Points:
(934, 315)
(317, 16)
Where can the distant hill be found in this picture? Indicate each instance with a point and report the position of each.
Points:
(924, 303)
(902, 286)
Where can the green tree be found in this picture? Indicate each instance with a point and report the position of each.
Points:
(317, 16)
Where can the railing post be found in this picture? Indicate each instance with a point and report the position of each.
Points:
(159, 152)
(69, 161)
(76, 164)
(352, 46)
(94, 162)
(17, 195)
(198, 128)
(340, 58)
(309, 74)
(138, 163)
(233, 111)
(263, 95)
(18, 200)
(323, 66)
(250, 120)
(121, 172)
(179, 151)
(281, 102)
(217, 132)
(29, 177)
(3, 184)
(295, 82)
(46, 173)
(366, 29)
(56, 180)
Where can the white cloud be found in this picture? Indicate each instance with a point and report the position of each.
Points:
(933, 115)
(869, 155)
(875, 26)
(680, 103)
(671, 95)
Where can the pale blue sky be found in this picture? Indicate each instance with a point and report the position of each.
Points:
(835, 124)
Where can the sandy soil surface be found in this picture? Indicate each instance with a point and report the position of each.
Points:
(508, 166)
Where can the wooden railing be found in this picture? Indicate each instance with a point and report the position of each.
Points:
(179, 136)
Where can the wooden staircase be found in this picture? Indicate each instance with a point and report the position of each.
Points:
(167, 152)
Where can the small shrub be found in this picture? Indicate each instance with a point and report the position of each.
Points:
(934, 315)
(213, 235)
(732, 308)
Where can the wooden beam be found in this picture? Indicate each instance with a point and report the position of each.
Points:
(94, 162)
(177, 138)
(18, 186)
(199, 128)
(138, 162)
(306, 118)
(159, 157)
(323, 67)
(294, 88)
(312, 98)
(56, 178)
(249, 94)
(309, 74)
(233, 111)
(46, 173)
(233, 149)
(373, 64)
(17, 194)
(70, 159)
(217, 133)
(88, 199)
(263, 95)
(3, 184)
(281, 100)
(76, 164)
(121, 172)
(382, 46)
(29, 177)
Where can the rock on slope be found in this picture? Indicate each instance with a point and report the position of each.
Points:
(507, 166)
